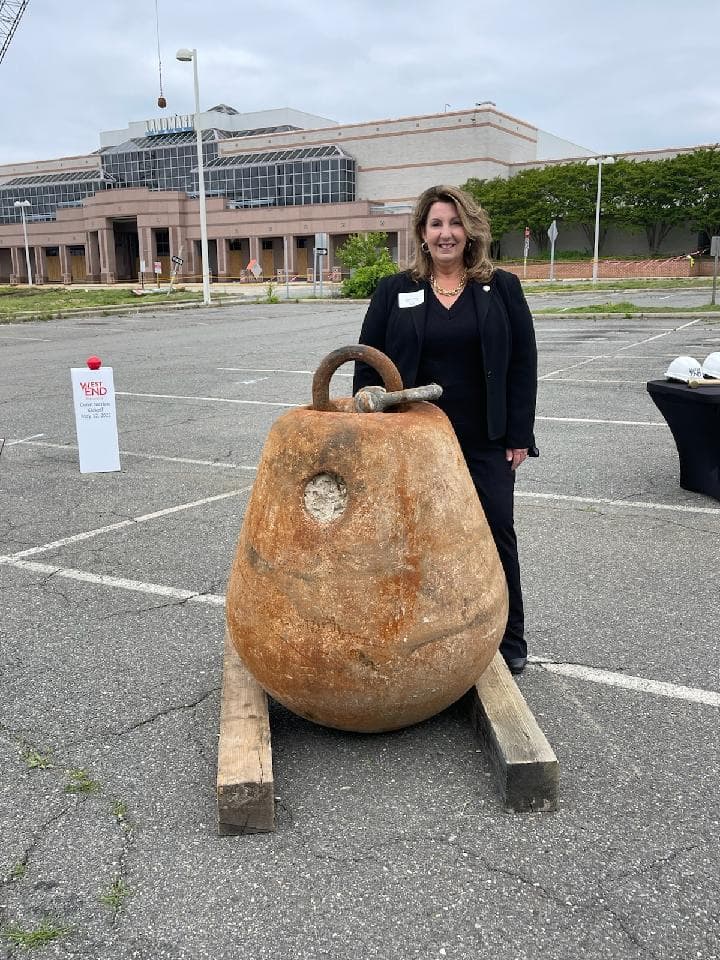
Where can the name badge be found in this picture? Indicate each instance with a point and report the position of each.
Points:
(411, 299)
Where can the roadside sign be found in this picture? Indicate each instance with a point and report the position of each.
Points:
(715, 247)
(526, 246)
(143, 266)
(178, 261)
(552, 234)
(95, 419)
(321, 251)
(157, 266)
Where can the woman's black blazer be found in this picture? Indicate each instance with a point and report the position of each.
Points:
(505, 328)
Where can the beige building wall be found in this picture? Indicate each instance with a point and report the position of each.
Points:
(395, 161)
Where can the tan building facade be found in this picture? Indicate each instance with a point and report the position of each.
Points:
(273, 180)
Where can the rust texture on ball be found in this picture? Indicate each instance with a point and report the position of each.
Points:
(366, 592)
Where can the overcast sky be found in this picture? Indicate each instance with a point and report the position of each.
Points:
(612, 75)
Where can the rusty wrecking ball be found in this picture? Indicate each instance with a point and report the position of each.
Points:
(366, 592)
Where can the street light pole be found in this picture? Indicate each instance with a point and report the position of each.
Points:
(23, 204)
(592, 162)
(186, 56)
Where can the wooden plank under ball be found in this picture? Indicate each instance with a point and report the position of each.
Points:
(245, 787)
(525, 763)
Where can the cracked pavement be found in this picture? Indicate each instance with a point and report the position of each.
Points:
(390, 846)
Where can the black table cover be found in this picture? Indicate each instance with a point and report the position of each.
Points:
(693, 415)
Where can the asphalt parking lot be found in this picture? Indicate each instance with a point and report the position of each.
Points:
(394, 846)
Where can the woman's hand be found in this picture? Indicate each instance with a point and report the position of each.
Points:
(515, 456)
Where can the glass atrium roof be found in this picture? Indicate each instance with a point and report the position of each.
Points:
(278, 156)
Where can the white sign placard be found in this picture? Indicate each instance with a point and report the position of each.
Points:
(95, 419)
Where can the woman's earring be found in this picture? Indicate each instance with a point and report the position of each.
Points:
(424, 247)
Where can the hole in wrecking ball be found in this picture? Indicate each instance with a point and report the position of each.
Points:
(325, 497)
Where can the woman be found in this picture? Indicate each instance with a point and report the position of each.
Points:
(455, 320)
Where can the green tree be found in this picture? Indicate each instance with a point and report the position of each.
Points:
(700, 171)
(363, 250)
(367, 255)
(572, 191)
(530, 204)
(651, 196)
(492, 195)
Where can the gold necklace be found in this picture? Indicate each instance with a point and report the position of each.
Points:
(449, 293)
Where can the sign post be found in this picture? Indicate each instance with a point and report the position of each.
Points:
(552, 234)
(287, 272)
(714, 252)
(177, 262)
(142, 274)
(321, 249)
(526, 250)
(95, 419)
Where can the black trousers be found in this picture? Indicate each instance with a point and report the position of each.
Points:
(495, 484)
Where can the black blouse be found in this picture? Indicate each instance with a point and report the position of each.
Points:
(452, 356)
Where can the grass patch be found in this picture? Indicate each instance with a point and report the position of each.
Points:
(43, 304)
(34, 760)
(627, 309)
(576, 286)
(37, 937)
(80, 782)
(18, 870)
(116, 894)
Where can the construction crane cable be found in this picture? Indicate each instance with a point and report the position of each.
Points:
(10, 13)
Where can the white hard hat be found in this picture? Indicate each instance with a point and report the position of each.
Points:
(711, 367)
(684, 369)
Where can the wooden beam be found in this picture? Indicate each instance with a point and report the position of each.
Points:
(245, 787)
(524, 761)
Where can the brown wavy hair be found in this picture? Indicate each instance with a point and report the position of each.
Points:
(476, 255)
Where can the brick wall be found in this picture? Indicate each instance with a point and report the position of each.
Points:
(613, 269)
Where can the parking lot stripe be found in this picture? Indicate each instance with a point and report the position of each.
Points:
(87, 534)
(611, 678)
(153, 456)
(606, 501)
(120, 583)
(574, 671)
(309, 373)
(629, 346)
(170, 396)
(618, 423)
(585, 380)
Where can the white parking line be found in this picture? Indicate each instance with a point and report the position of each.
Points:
(308, 373)
(88, 534)
(575, 671)
(629, 346)
(611, 678)
(587, 380)
(154, 456)
(170, 396)
(35, 339)
(618, 423)
(119, 583)
(607, 501)
(34, 436)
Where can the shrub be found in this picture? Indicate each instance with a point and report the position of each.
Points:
(364, 280)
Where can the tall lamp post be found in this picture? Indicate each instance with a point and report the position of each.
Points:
(185, 56)
(23, 205)
(592, 162)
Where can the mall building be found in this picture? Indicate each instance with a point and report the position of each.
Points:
(274, 180)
